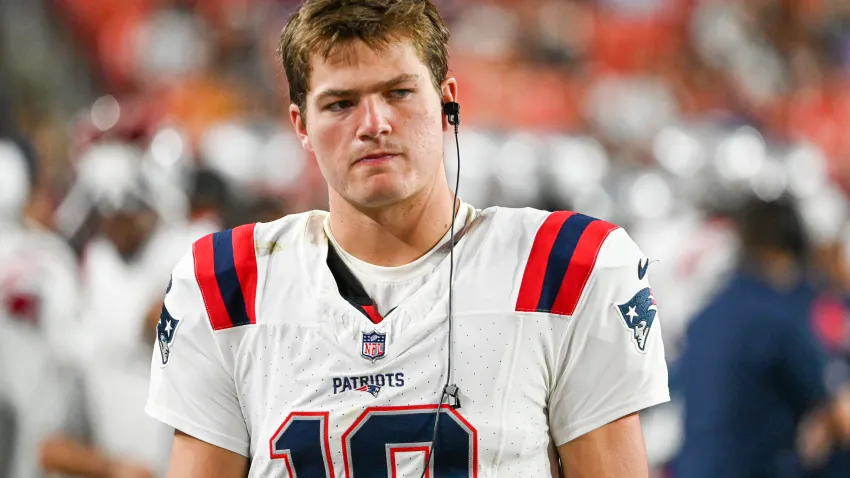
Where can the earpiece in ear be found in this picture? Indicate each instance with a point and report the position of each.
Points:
(452, 112)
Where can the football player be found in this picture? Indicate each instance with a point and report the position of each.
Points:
(404, 332)
(44, 411)
(37, 313)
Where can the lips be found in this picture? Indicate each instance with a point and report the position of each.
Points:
(376, 157)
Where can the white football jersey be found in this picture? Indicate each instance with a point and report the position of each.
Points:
(555, 333)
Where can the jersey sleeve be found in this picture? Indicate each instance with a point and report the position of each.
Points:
(192, 386)
(611, 358)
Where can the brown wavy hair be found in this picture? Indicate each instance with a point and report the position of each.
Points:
(320, 26)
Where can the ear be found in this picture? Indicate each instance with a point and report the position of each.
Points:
(448, 92)
(300, 127)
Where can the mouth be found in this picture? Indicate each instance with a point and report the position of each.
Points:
(376, 158)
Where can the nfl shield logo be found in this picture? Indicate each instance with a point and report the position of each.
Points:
(374, 345)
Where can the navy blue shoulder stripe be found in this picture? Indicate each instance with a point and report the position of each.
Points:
(562, 256)
(226, 271)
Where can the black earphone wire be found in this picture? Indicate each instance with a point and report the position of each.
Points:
(448, 389)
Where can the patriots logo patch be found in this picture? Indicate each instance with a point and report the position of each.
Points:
(373, 389)
(639, 314)
(165, 330)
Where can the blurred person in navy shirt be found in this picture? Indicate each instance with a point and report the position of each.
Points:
(753, 375)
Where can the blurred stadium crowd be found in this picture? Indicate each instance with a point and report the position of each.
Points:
(130, 128)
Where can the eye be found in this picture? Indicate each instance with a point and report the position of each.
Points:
(399, 94)
(338, 106)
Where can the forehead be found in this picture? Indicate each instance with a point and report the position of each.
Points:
(356, 65)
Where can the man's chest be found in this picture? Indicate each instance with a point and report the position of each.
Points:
(321, 398)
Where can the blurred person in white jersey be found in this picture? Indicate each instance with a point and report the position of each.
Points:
(45, 427)
(37, 309)
(357, 343)
(123, 269)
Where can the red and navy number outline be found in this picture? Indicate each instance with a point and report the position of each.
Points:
(403, 428)
(297, 425)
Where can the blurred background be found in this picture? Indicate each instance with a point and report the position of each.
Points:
(717, 132)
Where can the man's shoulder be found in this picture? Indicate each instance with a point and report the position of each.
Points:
(227, 266)
(259, 239)
(289, 231)
(524, 221)
(552, 256)
(565, 236)
(290, 228)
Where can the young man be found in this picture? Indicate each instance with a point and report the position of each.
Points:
(317, 345)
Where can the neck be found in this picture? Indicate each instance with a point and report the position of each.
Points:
(780, 270)
(394, 235)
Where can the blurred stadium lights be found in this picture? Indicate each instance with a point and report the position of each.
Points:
(824, 215)
(631, 109)
(172, 44)
(486, 30)
(595, 202)
(771, 181)
(516, 169)
(807, 170)
(105, 112)
(476, 173)
(167, 147)
(740, 156)
(231, 149)
(757, 70)
(650, 196)
(679, 151)
(282, 161)
(717, 31)
(576, 164)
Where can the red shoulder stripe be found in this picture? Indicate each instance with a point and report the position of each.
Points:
(581, 265)
(245, 261)
(535, 270)
(204, 256)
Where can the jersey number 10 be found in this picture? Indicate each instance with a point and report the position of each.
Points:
(370, 444)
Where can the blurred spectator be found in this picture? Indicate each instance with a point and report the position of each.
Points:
(125, 267)
(753, 371)
(208, 200)
(38, 312)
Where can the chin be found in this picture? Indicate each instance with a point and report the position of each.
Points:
(379, 192)
(375, 197)
(378, 200)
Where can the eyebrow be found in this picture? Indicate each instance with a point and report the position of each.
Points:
(335, 93)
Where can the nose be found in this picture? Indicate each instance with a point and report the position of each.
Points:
(374, 119)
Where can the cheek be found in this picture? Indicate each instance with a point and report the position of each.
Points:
(427, 137)
(327, 144)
